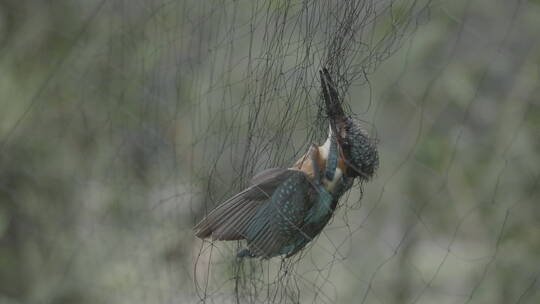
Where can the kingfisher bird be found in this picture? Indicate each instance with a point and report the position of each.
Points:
(283, 209)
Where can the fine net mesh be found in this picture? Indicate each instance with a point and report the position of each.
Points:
(124, 122)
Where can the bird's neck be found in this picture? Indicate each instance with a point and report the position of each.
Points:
(333, 164)
(330, 174)
(324, 150)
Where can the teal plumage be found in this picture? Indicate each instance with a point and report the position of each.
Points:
(282, 210)
(283, 224)
(361, 150)
(280, 213)
(280, 218)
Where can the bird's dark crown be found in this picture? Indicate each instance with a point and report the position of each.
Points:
(360, 150)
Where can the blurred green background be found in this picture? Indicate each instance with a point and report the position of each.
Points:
(121, 122)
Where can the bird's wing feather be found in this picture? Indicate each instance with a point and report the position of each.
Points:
(280, 219)
(267, 176)
(229, 220)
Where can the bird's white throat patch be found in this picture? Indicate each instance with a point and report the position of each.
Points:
(324, 150)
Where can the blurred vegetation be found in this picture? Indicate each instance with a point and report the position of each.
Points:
(101, 105)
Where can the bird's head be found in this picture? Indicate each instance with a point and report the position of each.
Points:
(359, 150)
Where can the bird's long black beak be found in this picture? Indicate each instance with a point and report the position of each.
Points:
(334, 110)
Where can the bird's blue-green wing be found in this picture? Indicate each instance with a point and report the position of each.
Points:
(279, 220)
(229, 220)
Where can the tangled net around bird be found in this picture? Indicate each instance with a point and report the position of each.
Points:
(267, 107)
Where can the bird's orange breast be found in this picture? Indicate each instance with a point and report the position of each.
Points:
(305, 163)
